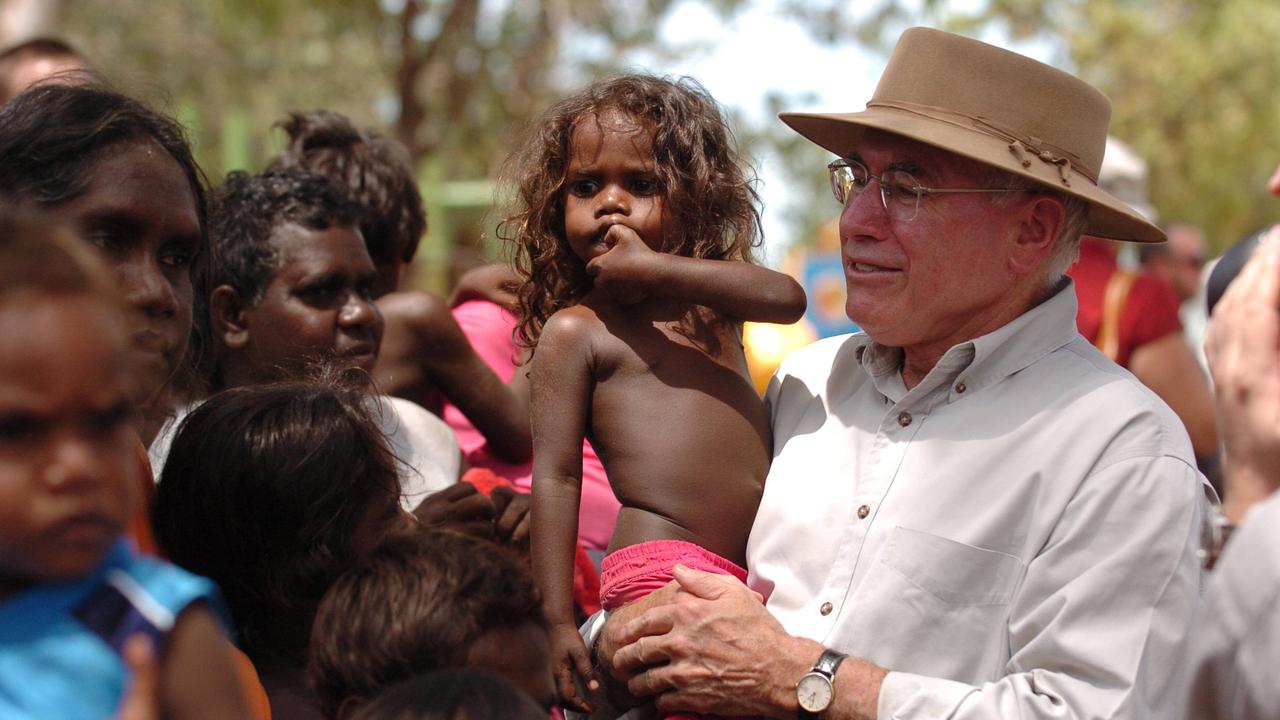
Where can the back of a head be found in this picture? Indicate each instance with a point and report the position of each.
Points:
(264, 491)
(451, 695)
(376, 170)
(52, 136)
(40, 59)
(417, 604)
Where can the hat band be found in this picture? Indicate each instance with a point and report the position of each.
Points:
(1020, 146)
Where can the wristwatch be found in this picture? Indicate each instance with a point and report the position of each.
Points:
(815, 690)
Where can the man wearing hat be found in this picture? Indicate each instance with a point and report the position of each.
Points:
(971, 512)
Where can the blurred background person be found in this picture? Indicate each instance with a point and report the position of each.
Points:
(39, 59)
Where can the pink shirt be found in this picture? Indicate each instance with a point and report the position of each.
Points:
(488, 327)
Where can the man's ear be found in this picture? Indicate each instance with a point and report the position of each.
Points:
(227, 317)
(1040, 223)
(349, 705)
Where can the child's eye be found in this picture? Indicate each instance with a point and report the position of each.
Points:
(20, 428)
(584, 188)
(105, 422)
(645, 186)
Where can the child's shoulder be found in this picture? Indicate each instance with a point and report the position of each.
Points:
(575, 323)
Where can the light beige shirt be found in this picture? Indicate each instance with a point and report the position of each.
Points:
(1015, 537)
(1236, 651)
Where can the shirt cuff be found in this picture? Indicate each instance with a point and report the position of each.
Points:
(907, 696)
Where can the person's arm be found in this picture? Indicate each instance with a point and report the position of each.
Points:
(631, 271)
(562, 381)
(495, 283)
(715, 649)
(1095, 630)
(197, 678)
(500, 412)
(1243, 348)
(1169, 368)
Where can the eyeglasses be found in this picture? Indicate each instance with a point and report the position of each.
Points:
(899, 190)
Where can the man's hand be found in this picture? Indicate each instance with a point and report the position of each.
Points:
(459, 507)
(713, 649)
(627, 270)
(1243, 349)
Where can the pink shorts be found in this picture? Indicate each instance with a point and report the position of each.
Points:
(629, 574)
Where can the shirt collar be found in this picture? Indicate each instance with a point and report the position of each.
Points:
(985, 360)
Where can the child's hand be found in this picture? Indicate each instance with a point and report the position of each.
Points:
(627, 270)
(570, 659)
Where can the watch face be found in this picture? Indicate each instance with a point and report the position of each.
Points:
(814, 693)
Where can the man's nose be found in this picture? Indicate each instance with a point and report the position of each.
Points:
(359, 311)
(864, 215)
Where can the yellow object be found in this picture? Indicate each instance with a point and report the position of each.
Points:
(767, 344)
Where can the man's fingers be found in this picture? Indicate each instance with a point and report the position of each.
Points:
(706, 585)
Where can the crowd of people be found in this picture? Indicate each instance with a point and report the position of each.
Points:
(244, 473)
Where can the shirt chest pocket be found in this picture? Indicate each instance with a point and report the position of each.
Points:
(933, 606)
(953, 572)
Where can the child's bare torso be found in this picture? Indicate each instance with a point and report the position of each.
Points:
(682, 433)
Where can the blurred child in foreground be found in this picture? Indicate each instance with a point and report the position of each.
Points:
(72, 591)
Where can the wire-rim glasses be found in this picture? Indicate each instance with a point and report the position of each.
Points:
(900, 192)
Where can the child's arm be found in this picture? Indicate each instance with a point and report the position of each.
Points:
(631, 271)
(197, 678)
(561, 399)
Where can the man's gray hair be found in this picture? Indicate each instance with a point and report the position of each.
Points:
(1066, 247)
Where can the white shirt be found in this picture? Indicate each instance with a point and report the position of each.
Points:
(1015, 537)
(1236, 649)
(426, 451)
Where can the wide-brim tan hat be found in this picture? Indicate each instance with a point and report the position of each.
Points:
(996, 107)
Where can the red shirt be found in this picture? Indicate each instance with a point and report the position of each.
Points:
(1150, 309)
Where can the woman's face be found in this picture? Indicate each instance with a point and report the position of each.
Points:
(139, 210)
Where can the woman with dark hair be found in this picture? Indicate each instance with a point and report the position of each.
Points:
(122, 177)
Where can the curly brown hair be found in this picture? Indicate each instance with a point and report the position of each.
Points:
(708, 189)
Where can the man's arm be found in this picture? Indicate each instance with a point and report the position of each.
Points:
(1096, 628)
(1243, 348)
(713, 648)
(631, 271)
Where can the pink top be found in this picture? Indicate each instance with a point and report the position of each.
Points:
(488, 327)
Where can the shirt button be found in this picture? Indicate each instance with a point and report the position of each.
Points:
(960, 387)
(864, 511)
(825, 609)
(904, 419)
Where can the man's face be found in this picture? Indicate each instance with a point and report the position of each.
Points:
(318, 307)
(1187, 250)
(140, 212)
(939, 279)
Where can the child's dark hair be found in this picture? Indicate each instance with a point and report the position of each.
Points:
(52, 136)
(452, 695)
(263, 491)
(708, 191)
(376, 171)
(245, 211)
(417, 603)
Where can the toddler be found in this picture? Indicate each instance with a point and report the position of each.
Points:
(72, 591)
(634, 234)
